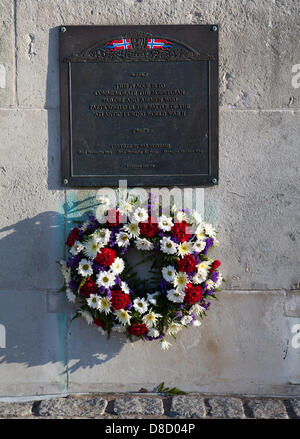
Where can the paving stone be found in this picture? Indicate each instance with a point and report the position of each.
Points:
(295, 404)
(225, 408)
(268, 408)
(187, 407)
(15, 409)
(136, 405)
(72, 408)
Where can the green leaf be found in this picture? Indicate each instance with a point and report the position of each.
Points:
(160, 387)
(169, 391)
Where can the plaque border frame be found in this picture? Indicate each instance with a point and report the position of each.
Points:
(139, 180)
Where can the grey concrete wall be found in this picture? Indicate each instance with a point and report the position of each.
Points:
(244, 345)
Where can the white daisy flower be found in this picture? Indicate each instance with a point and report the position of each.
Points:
(91, 247)
(117, 266)
(185, 248)
(84, 225)
(219, 281)
(180, 216)
(123, 316)
(87, 315)
(199, 246)
(93, 301)
(168, 246)
(164, 344)
(140, 305)
(165, 223)
(76, 248)
(152, 297)
(174, 328)
(180, 281)
(203, 267)
(169, 273)
(122, 239)
(105, 279)
(209, 230)
(186, 320)
(125, 207)
(104, 305)
(132, 229)
(210, 284)
(102, 236)
(66, 271)
(200, 233)
(143, 244)
(196, 322)
(196, 309)
(140, 215)
(120, 329)
(195, 217)
(150, 319)
(70, 295)
(125, 288)
(199, 278)
(175, 296)
(85, 268)
(153, 333)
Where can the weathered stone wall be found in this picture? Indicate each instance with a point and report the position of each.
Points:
(244, 345)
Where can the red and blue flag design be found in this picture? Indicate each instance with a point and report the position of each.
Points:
(123, 44)
(154, 43)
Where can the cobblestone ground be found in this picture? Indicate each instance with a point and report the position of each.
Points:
(143, 406)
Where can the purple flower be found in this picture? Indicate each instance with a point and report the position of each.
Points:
(209, 244)
(129, 306)
(118, 280)
(73, 261)
(96, 267)
(163, 285)
(101, 290)
(73, 284)
(124, 250)
(109, 292)
(146, 337)
(214, 276)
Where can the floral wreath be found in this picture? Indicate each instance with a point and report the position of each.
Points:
(99, 278)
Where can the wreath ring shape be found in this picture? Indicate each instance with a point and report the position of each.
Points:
(106, 289)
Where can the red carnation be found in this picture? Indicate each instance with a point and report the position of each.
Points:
(187, 264)
(192, 294)
(138, 329)
(149, 228)
(89, 287)
(73, 236)
(180, 231)
(215, 264)
(106, 256)
(113, 216)
(99, 322)
(119, 300)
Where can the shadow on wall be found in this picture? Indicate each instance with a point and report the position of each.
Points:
(35, 316)
(53, 112)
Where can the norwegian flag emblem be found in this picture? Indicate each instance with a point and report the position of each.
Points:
(123, 44)
(154, 43)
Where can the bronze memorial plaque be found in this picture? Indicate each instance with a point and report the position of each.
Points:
(139, 103)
